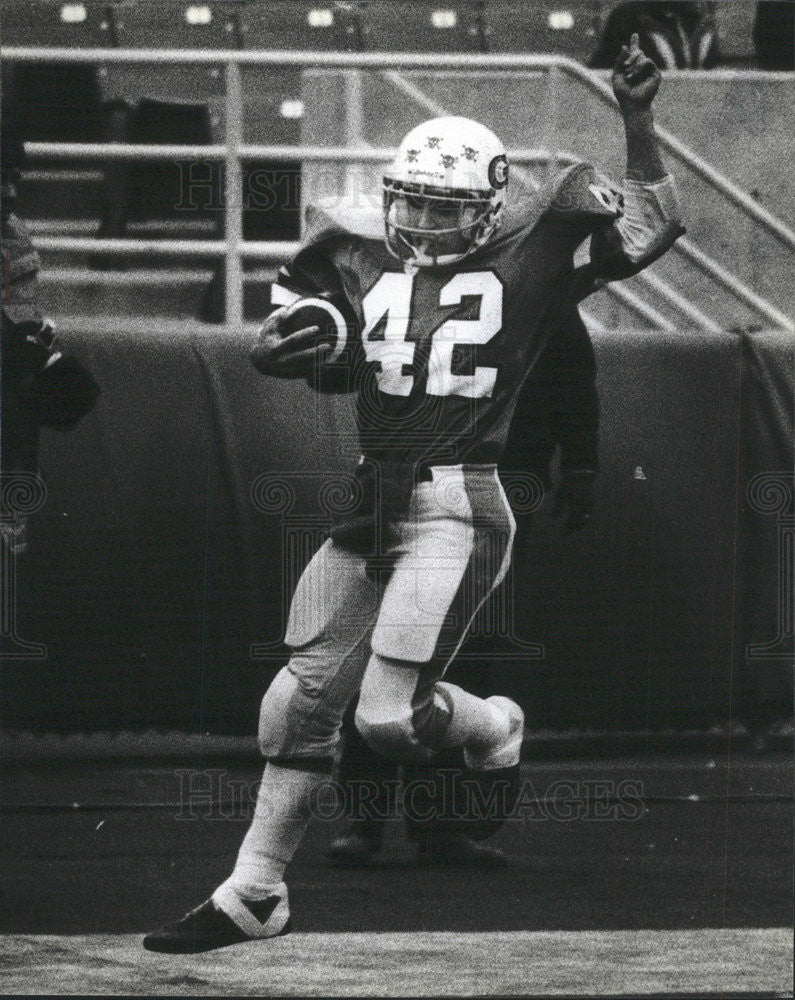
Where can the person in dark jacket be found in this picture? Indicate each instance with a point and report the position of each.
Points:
(42, 385)
(676, 35)
(774, 35)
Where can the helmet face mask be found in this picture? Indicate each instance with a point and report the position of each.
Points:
(443, 195)
(430, 227)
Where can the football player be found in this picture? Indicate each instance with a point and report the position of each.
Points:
(446, 295)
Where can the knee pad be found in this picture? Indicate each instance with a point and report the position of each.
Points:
(279, 706)
(294, 723)
(389, 737)
(386, 716)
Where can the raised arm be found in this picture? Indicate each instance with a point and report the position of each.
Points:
(636, 81)
(648, 219)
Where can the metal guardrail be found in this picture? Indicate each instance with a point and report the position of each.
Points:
(266, 250)
(234, 152)
(281, 154)
(685, 248)
(698, 164)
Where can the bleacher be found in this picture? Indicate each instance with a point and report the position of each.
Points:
(570, 27)
(162, 103)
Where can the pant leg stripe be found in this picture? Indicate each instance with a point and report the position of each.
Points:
(491, 517)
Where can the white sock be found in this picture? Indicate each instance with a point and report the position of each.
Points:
(474, 722)
(280, 819)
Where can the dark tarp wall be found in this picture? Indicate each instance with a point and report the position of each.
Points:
(766, 597)
(180, 512)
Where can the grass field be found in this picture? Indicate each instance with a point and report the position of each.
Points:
(692, 896)
(730, 962)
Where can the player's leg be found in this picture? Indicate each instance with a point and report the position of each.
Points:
(454, 550)
(451, 834)
(331, 619)
(368, 783)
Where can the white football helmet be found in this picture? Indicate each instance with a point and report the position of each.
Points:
(444, 192)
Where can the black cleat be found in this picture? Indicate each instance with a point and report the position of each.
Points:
(451, 850)
(208, 927)
(356, 843)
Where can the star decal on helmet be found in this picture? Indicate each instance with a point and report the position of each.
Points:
(457, 164)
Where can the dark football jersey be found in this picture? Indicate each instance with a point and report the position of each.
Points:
(437, 356)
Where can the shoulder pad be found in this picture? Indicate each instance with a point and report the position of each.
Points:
(576, 192)
(343, 217)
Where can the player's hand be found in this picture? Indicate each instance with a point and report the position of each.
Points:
(636, 78)
(295, 355)
(574, 500)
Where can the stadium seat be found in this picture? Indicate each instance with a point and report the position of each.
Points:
(323, 26)
(430, 26)
(155, 188)
(56, 24)
(566, 28)
(175, 24)
(168, 24)
(57, 102)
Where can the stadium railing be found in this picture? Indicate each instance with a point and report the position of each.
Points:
(233, 152)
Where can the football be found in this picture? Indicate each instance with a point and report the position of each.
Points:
(322, 313)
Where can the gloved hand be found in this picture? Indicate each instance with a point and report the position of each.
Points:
(283, 351)
(64, 392)
(29, 344)
(38, 377)
(574, 499)
(380, 495)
